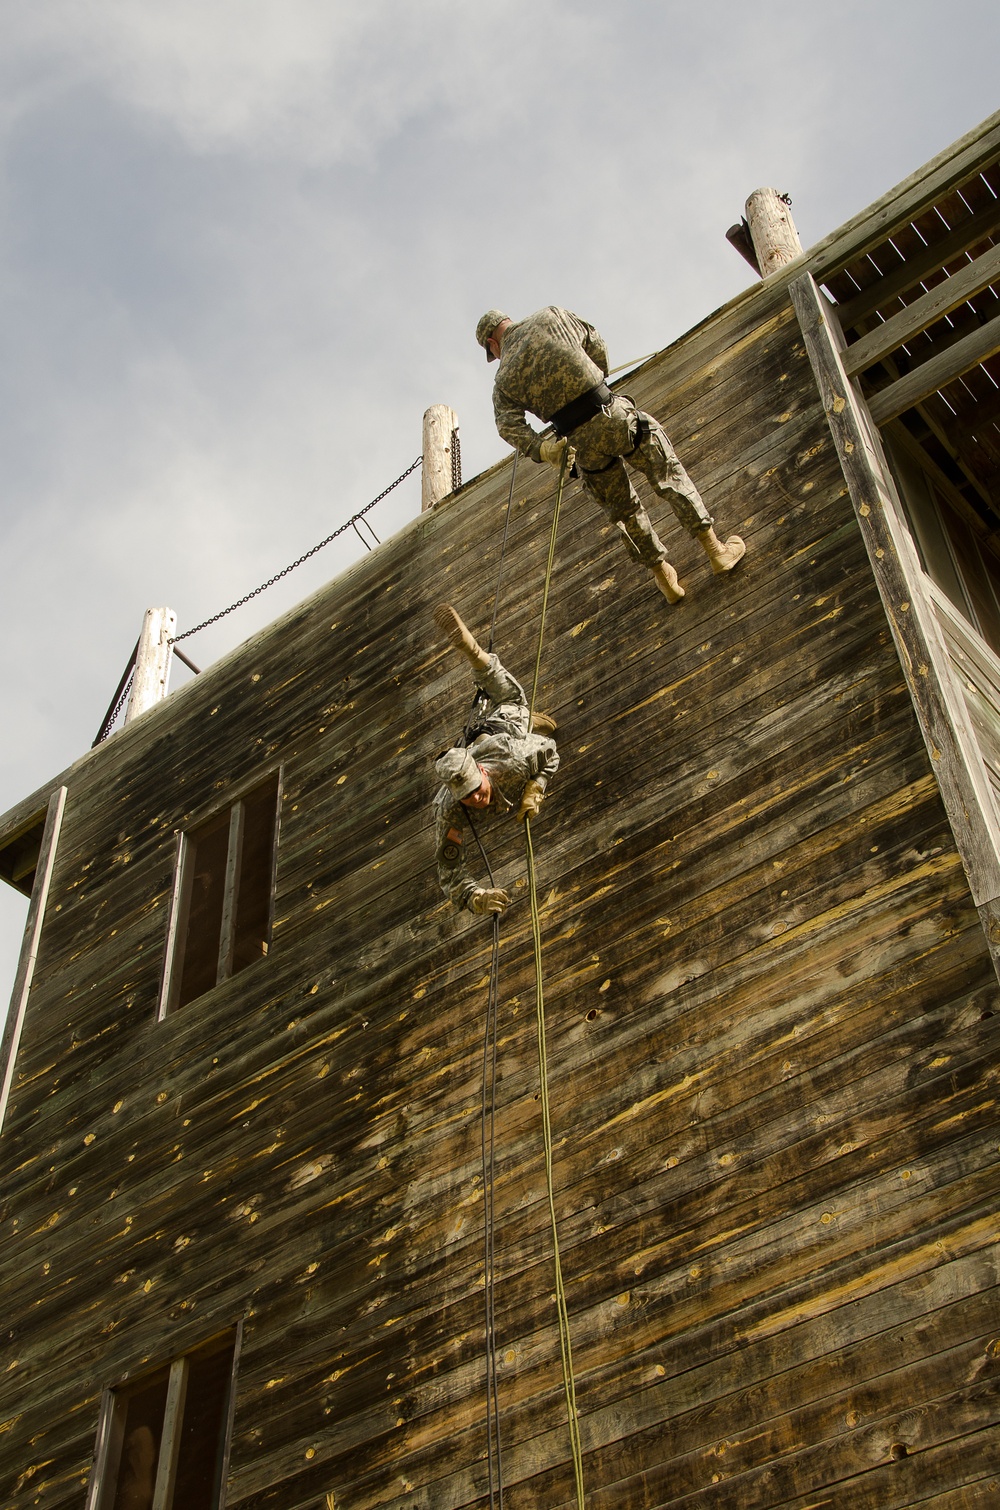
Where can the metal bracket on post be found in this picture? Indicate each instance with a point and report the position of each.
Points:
(440, 441)
(152, 663)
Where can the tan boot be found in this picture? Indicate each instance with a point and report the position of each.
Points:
(666, 580)
(722, 557)
(448, 621)
(541, 723)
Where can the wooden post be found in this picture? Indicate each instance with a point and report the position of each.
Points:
(152, 663)
(440, 427)
(772, 230)
(11, 1040)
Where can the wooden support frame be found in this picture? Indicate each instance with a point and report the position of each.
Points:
(977, 228)
(940, 706)
(916, 317)
(969, 155)
(234, 862)
(180, 897)
(14, 1026)
(919, 384)
(170, 1437)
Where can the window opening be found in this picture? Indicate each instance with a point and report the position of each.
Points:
(164, 1437)
(949, 550)
(222, 896)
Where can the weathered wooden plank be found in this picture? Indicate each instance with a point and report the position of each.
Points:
(981, 343)
(966, 157)
(967, 236)
(934, 305)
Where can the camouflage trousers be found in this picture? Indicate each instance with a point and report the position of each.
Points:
(625, 431)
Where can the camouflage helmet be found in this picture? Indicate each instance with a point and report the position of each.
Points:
(487, 325)
(459, 771)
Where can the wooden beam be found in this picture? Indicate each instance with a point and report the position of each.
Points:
(180, 899)
(969, 155)
(915, 269)
(436, 482)
(152, 665)
(956, 759)
(170, 1439)
(11, 1040)
(230, 897)
(937, 373)
(923, 312)
(772, 230)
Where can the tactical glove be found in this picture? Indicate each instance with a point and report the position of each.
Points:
(488, 899)
(531, 799)
(552, 449)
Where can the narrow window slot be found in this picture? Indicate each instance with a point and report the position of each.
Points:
(163, 1439)
(221, 913)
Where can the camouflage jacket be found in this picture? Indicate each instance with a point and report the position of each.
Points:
(546, 360)
(512, 756)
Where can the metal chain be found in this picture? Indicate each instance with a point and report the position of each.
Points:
(109, 723)
(456, 461)
(348, 524)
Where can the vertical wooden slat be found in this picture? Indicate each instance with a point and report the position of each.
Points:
(29, 948)
(170, 1441)
(173, 956)
(227, 1435)
(107, 1453)
(230, 900)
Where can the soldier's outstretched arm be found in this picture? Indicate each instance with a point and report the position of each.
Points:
(513, 426)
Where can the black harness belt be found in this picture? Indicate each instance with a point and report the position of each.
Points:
(577, 412)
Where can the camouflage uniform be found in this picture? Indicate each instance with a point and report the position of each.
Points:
(550, 359)
(511, 754)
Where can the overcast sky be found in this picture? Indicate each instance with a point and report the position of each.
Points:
(244, 244)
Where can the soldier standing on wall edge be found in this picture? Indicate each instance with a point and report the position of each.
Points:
(553, 364)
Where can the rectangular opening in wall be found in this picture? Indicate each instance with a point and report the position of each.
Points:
(952, 552)
(164, 1436)
(19, 854)
(223, 895)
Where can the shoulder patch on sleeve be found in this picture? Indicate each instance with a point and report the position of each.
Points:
(451, 849)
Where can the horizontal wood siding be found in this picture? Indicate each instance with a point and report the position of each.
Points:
(772, 1032)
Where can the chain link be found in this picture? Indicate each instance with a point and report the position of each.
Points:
(108, 726)
(456, 461)
(348, 524)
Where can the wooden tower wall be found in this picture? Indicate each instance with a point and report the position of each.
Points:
(771, 1016)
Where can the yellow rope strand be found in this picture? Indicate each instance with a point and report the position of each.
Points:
(565, 1347)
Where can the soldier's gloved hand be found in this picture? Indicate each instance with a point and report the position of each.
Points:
(531, 800)
(552, 449)
(487, 899)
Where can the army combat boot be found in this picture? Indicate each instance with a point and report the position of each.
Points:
(722, 557)
(448, 621)
(667, 581)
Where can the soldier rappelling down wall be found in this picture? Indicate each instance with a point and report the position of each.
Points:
(509, 758)
(553, 364)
